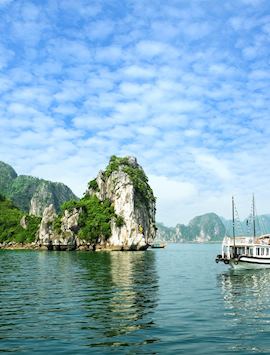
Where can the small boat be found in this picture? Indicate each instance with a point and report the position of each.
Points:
(245, 252)
(158, 245)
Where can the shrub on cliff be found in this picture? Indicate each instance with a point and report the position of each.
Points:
(95, 218)
(93, 185)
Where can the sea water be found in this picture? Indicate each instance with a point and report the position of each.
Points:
(175, 300)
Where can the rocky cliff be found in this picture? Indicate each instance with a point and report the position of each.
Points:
(116, 212)
(31, 194)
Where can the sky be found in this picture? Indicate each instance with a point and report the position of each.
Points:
(183, 85)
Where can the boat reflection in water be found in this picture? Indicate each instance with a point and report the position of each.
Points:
(246, 297)
(121, 299)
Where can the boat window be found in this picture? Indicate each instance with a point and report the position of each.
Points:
(257, 251)
(250, 251)
(239, 251)
(262, 251)
(267, 251)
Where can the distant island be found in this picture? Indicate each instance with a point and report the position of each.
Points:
(210, 227)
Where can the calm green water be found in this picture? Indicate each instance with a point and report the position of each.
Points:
(173, 301)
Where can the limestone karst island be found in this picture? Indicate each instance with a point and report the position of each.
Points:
(117, 211)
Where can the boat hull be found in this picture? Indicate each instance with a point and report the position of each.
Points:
(245, 262)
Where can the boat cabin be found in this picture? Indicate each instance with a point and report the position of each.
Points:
(258, 247)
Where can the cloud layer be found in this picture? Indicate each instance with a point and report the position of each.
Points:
(184, 86)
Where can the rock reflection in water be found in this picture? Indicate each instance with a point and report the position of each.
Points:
(122, 299)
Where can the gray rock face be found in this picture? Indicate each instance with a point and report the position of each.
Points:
(48, 193)
(45, 230)
(58, 240)
(23, 222)
(138, 229)
(70, 221)
(41, 199)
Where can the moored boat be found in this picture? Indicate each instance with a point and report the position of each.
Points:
(245, 252)
(158, 245)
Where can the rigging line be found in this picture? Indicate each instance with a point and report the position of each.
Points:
(260, 223)
(264, 230)
(238, 222)
(249, 222)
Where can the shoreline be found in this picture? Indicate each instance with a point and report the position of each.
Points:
(90, 248)
(34, 246)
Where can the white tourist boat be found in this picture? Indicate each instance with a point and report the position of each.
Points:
(242, 252)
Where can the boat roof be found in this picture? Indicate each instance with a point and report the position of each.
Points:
(264, 236)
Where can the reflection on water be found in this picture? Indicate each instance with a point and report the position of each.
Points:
(123, 297)
(58, 301)
(246, 297)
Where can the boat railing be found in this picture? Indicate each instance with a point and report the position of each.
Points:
(229, 241)
(263, 240)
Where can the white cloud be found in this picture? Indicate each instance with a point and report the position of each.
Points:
(148, 131)
(150, 49)
(139, 72)
(171, 194)
(213, 165)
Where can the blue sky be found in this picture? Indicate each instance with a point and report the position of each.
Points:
(182, 85)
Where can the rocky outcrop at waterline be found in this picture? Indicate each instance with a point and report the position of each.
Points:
(117, 212)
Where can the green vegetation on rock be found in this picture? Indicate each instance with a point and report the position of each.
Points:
(94, 220)
(57, 224)
(115, 163)
(21, 191)
(70, 205)
(93, 185)
(7, 175)
(119, 221)
(10, 228)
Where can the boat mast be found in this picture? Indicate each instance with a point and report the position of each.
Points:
(253, 216)
(233, 226)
